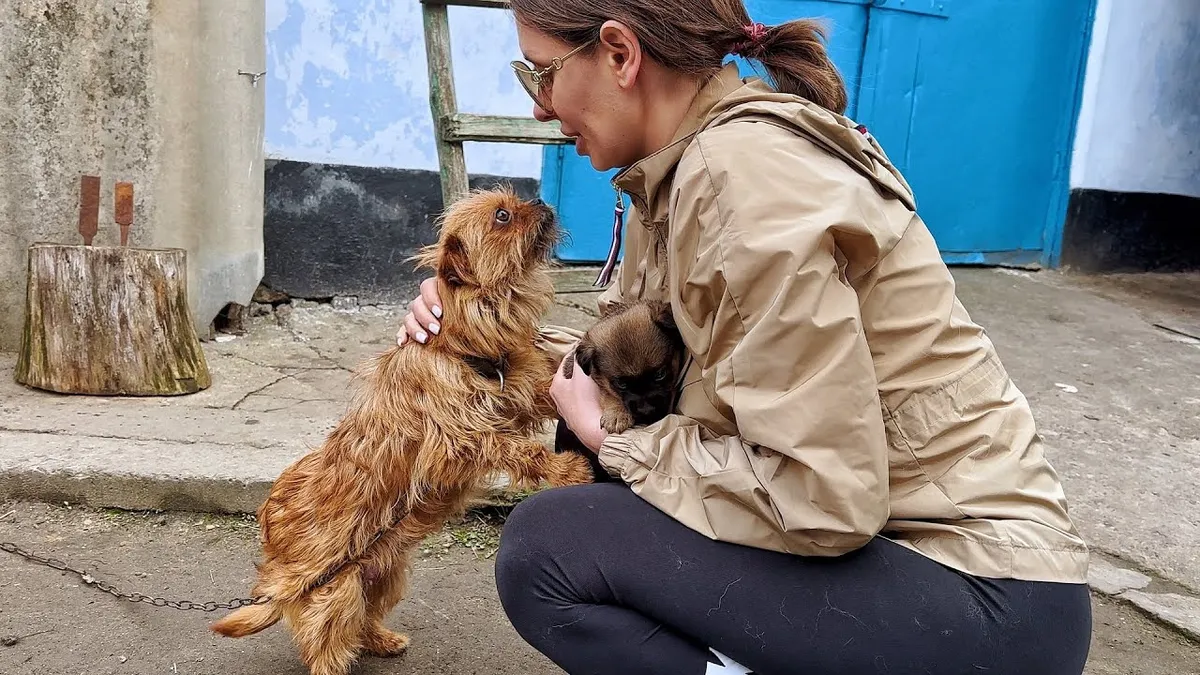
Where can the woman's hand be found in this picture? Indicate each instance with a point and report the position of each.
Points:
(424, 313)
(578, 402)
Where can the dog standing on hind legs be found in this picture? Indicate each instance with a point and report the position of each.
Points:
(340, 525)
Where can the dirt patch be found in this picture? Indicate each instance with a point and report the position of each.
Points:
(1126, 642)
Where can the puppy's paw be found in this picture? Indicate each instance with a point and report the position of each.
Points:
(616, 420)
(381, 642)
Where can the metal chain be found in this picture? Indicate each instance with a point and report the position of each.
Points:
(89, 580)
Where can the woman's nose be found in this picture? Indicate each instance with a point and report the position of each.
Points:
(540, 114)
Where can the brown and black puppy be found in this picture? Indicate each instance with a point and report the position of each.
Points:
(636, 356)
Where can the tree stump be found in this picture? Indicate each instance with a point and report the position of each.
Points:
(110, 320)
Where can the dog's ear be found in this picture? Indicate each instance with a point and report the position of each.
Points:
(585, 356)
(663, 316)
(614, 307)
(454, 267)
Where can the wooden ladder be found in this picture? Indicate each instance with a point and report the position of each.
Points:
(451, 127)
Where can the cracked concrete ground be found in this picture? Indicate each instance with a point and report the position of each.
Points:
(452, 614)
(1107, 363)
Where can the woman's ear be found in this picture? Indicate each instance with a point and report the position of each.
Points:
(621, 51)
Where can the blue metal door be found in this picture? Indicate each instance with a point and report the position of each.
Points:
(974, 100)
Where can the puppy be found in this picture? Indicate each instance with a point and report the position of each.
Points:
(428, 424)
(636, 356)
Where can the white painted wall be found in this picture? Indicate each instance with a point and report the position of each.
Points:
(347, 84)
(1139, 125)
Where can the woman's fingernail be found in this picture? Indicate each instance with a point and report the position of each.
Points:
(400, 339)
(437, 311)
(422, 337)
(434, 328)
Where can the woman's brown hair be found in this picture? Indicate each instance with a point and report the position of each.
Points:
(694, 36)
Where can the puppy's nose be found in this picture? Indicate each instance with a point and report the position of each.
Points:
(538, 202)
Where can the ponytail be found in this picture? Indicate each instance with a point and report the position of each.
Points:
(796, 60)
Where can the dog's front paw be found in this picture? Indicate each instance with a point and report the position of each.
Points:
(616, 420)
(381, 642)
(576, 469)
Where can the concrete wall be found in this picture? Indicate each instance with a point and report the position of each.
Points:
(142, 91)
(1139, 125)
(348, 84)
(1135, 173)
(352, 189)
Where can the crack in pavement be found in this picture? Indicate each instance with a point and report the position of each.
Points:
(145, 439)
(328, 359)
(260, 389)
(281, 366)
(578, 306)
(295, 402)
(321, 355)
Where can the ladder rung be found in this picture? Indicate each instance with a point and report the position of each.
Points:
(490, 4)
(461, 127)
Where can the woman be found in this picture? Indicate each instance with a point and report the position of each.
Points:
(851, 482)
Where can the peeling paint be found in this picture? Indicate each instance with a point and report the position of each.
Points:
(347, 84)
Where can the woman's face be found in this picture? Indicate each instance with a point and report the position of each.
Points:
(590, 95)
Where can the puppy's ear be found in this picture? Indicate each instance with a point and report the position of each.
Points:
(614, 307)
(585, 356)
(663, 316)
(454, 267)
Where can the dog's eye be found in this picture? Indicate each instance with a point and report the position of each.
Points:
(503, 217)
(660, 377)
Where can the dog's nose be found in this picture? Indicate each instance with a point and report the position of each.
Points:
(538, 202)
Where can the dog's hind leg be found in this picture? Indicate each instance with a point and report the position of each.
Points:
(328, 628)
(382, 596)
(389, 571)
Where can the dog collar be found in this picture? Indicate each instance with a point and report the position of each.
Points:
(492, 369)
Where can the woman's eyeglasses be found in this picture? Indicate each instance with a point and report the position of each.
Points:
(537, 82)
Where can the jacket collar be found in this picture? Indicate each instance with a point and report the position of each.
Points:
(643, 178)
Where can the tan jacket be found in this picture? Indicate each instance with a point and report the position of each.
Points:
(839, 390)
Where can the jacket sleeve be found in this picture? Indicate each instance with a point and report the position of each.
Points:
(557, 341)
(766, 310)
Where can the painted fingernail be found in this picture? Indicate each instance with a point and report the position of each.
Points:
(422, 337)
(435, 329)
(437, 311)
(400, 338)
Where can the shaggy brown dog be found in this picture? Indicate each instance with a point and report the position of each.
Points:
(430, 423)
(636, 356)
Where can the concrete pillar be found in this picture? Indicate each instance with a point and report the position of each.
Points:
(141, 91)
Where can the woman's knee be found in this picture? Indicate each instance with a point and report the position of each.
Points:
(542, 528)
(527, 544)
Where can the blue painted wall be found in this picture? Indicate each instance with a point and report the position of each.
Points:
(975, 100)
(347, 84)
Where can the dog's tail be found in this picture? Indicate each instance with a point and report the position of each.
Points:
(249, 620)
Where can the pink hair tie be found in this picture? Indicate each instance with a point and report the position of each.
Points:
(756, 33)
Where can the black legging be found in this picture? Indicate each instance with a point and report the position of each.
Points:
(600, 581)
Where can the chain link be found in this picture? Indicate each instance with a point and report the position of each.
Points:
(89, 580)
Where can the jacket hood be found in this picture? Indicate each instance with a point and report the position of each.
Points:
(728, 98)
(835, 133)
